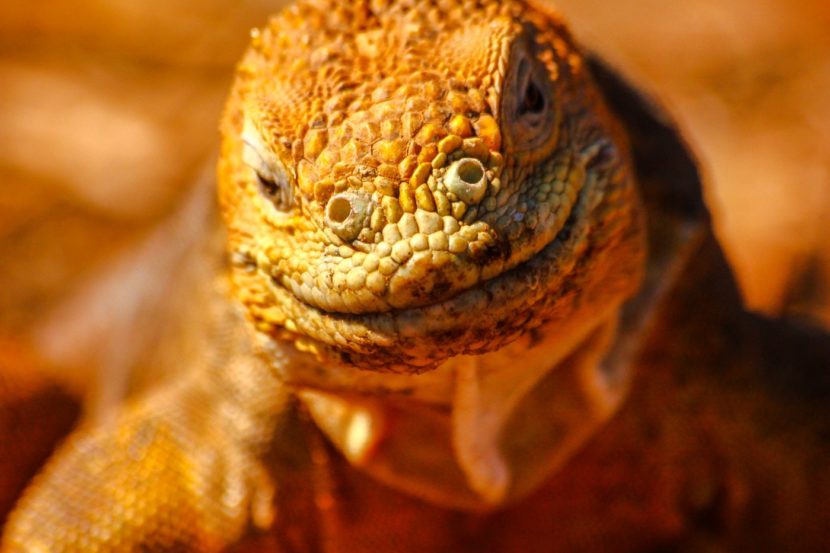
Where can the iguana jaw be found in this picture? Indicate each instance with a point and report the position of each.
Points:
(596, 263)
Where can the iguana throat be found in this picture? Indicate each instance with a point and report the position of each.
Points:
(458, 436)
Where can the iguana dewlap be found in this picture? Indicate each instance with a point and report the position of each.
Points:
(469, 300)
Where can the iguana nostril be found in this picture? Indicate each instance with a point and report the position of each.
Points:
(465, 178)
(339, 209)
(470, 170)
(346, 214)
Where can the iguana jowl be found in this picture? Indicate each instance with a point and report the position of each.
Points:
(437, 296)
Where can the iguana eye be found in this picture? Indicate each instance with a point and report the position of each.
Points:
(534, 102)
(275, 185)
(529, 101)
(272, 178)
(531, 92)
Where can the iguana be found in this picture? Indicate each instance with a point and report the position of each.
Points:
(468, 300)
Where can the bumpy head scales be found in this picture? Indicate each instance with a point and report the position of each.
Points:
(406, 181)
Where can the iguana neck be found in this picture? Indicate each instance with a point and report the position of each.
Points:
(458, 436)
(465, 447)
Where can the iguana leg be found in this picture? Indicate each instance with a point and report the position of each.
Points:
(172, 471)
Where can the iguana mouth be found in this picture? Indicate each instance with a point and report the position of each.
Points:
(431, 284)
(426, 258)
(479, 319)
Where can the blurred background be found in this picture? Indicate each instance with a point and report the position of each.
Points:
(109, 110)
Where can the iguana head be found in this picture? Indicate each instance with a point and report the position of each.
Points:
(408, 181)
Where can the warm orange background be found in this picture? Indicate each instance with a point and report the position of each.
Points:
(108, 111)
(749, 82)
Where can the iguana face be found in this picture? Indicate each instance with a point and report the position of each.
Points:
(404, 182)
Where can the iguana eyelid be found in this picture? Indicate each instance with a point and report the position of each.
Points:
(525, 79)
(255, 153)
(274, 179)
(529, 130)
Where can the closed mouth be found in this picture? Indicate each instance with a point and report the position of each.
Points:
(429, 278)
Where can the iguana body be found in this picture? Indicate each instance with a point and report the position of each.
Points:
(438, 327)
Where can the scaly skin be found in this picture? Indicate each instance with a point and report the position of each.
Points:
(433, 229)
(361, 241)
